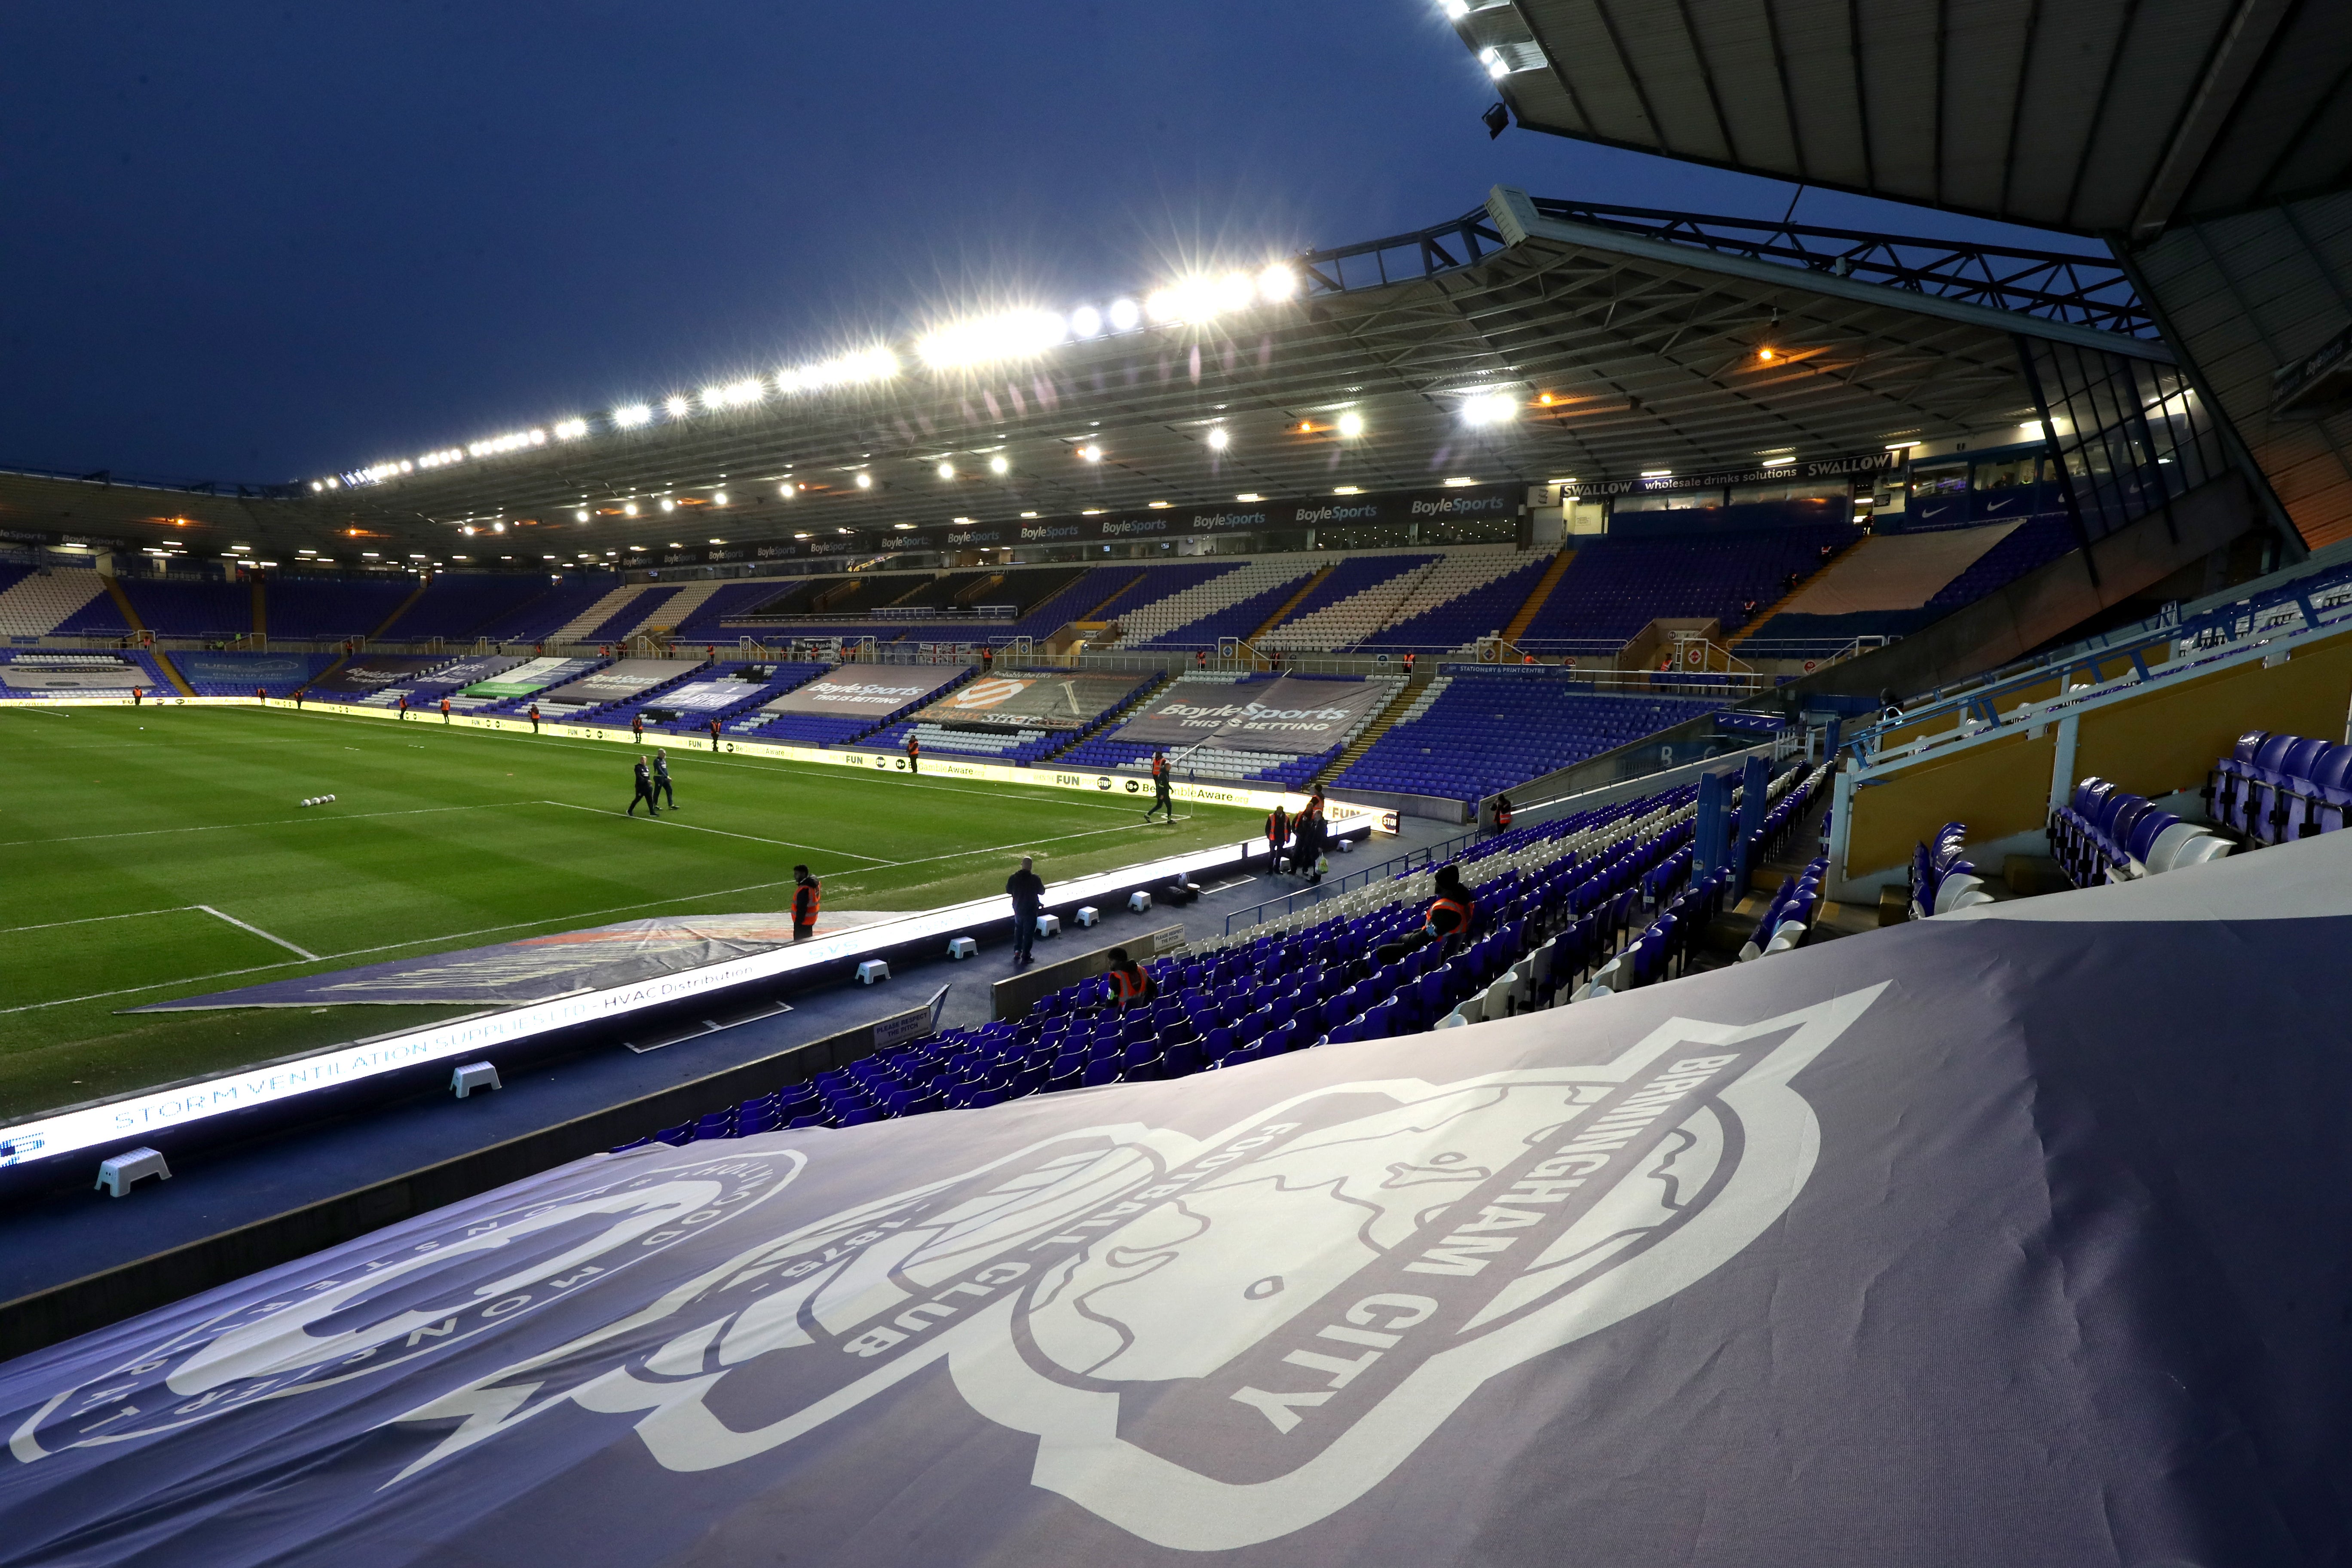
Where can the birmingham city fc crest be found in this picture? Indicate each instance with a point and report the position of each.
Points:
(1213, 1340)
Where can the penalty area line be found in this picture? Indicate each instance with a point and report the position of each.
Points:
(298, 952)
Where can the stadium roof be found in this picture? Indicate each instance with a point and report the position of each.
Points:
(2099, 116)
(1528, 340)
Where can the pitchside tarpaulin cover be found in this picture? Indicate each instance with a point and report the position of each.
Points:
(619, 681)
(112, 676)
(366, 676)
(2016, 1240)
(531, 674)
(535, 969)
(241, 668)
(1291, 713)
(469, 671)
(864, 690)
(1031, 702)
(707, 695)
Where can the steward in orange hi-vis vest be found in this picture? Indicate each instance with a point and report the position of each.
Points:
(808, 898)
(1130, 983)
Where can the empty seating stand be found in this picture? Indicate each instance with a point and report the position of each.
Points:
(2274, 789)
(1554, 903)
(1942, 879)
(2105, 833)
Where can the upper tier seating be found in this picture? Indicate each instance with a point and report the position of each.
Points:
(1224, 601)
(461, 606)
(1616, 586)
(1468, 736)
(36, 602)
(1465, 597)
(330, 607)
(176, 607)
(1362, 595)
(538, 618)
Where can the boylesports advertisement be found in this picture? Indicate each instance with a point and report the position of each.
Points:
(864, 692)
(1296, 714)
(1031, 702)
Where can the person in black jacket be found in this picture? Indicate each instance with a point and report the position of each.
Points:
(645, 790)
(1027, 890)
(661, 777)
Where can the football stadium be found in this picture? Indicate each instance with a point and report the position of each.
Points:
(787, 966)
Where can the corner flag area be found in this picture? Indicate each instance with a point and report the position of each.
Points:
(160, 853)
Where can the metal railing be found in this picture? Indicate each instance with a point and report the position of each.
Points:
(1395, 866)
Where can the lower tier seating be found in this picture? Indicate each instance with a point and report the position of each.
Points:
(1474, 734)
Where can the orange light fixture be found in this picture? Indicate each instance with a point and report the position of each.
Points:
(1305, 428)
(1545, 400)
(1765, 354)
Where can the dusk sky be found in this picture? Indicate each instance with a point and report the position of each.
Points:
(262, 243)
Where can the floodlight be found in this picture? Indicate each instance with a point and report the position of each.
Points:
(1496, 66)
(999, 464)
(1091, 452)
(947, 471)
(581, 515)
(1218, 437)
(1490, 408)
(628, 509)
(1658, 473)
(668, 505)
(1086, 321)
(1234, 290)
(318, 484)
(1124, 315)
(565, 430)
(1496, 120)
(631, 417)
(470, 530)
(676, 407)
(784, 491)
(865, 481)
(1352, 424)
(1247, 496)
(1277, 282)
(497, 528)
(719, 498)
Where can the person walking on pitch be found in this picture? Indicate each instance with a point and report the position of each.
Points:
(808, 897)
(1027, 890)
(534, 718)
(661, 778)
(1160, 799)
(645, 792)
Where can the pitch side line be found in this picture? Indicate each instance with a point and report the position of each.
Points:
(723, 833)
(257, 930)
(93, 920)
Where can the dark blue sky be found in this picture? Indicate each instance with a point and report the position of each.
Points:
(248, 242)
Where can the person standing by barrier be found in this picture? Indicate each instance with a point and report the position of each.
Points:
(1027, 891)
(645, 792)
(638, 729)
(138, 696)
(1407, 664)
(534, 718)
(1160, 799)
(914, 753)
(1313, 828)
(1502, 814)
(445, 710)
(808, 898)
(661, 778)
(404, 707)
(714, 731)
(1278, 835)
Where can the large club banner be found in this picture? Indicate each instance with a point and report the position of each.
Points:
(374, 673)
(619, 681)
(864, 690)
(84, 678)
(521, 677)
(710, 696)
(1972, 1243)
(242, 669)
(1297, 714)
(1043, 701)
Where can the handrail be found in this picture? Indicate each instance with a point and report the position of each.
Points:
(1412, 860)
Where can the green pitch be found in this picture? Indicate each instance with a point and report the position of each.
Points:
(160, 853)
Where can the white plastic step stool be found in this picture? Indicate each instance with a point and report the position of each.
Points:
(118, 1172)
(872, 970)
(1049, 925)
(961, 947)
(1089, 915)
(1140, 901)
(472, 1076)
